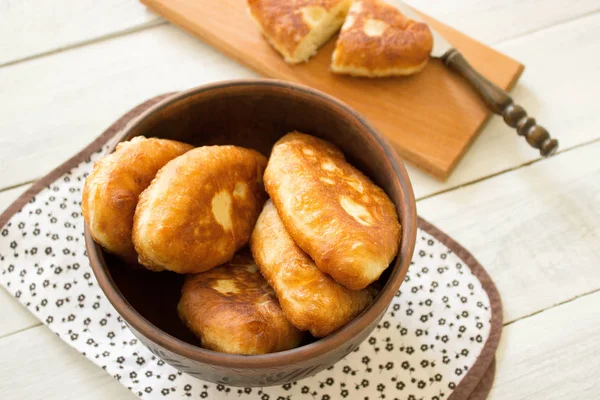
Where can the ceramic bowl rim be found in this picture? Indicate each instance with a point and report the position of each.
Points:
(284, 358)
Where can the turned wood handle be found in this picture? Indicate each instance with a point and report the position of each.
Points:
(502, 104)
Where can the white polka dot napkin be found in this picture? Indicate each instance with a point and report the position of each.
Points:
(427, 343)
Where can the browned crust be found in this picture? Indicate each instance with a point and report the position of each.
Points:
(282, 22)
(175, 226)
(232, 309)
(111, 191)
(310, 299)
(313, 189)
(404, 45)
(469, 384)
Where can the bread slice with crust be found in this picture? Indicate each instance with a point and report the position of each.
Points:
(377, 40)
(296, 29)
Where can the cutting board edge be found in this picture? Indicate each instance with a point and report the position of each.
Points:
(446, 174)
(205, 35)
(440, 173)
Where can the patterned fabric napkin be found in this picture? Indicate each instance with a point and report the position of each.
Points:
(436, 341)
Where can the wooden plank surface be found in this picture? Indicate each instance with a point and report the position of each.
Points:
(551, 356)
(36, 27)
(111, 77)
(45, 118)
(67, 99)
(15, 316)
(10, 195)
(55, 371)
(494, 21)
(536, 230)
(33, 27)
(532, 262)
(430, 118)
(561, 101)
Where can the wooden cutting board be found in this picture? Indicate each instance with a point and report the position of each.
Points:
(430, 118)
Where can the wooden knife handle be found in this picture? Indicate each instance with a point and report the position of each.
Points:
(502, 104)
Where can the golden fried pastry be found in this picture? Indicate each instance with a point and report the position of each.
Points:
(111, 191)
(310, 299)
(378, 40)
(200, 209)
(232, 309)
(296, 29)
(341, 219)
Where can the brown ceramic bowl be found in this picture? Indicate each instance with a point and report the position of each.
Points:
(253, 113)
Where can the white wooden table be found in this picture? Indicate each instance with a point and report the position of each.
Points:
(69, 68)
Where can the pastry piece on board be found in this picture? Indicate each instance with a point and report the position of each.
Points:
(337, 215)
(377, 40)
(296, 29)
(233, 310)
(310, 299)
(111, 191)
(200, 209)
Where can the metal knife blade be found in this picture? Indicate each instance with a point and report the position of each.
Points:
(440, 45)
(493, 96)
